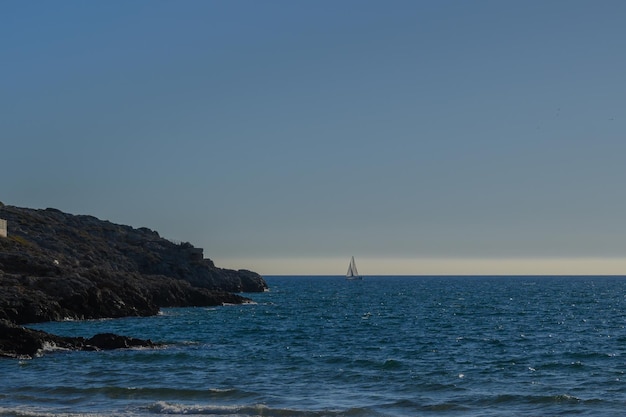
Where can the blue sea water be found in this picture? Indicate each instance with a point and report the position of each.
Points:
(324, 346)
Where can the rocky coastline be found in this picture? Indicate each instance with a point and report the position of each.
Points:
(58, 266)
(20, 342)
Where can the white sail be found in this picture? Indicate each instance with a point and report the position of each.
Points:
(352, 271)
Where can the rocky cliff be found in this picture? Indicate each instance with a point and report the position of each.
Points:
(55, 266)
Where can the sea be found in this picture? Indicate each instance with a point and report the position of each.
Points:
(324, 346)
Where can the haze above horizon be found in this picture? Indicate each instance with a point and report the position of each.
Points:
(422, 137)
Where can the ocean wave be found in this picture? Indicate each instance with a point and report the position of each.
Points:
(254, 410)
(538, 400)
(29, 411)
(49, 347)
(138, 393)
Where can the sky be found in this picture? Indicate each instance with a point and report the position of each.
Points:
(421, 137)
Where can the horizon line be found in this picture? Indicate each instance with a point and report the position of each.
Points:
(447, 275)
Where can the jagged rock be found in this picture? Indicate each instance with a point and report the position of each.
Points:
(55, 266)
(20, 342)
(109, 341)
(52, 242)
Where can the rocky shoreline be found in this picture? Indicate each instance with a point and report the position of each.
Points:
(57, 266)
(19, 342)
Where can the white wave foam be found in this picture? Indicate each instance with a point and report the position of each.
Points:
(162, 407)
(49, 347)
(29, 411)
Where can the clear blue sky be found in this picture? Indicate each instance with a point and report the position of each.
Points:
(285, 136)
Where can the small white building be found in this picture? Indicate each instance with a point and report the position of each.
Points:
(3, 228)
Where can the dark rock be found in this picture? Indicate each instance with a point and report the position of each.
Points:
(55, 266)
(17, 341)
(20, 342)
(109, 341)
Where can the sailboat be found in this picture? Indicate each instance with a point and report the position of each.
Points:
(352, 272)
